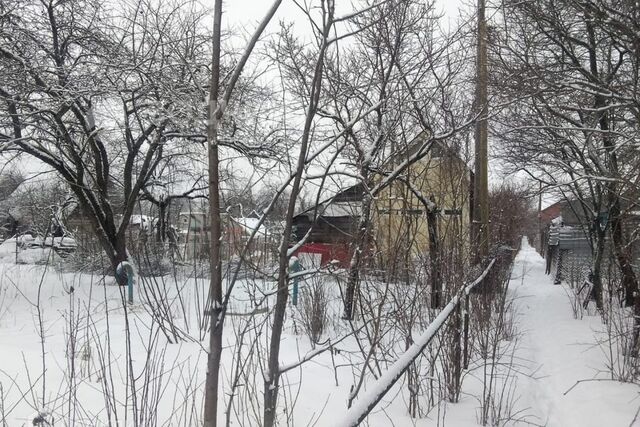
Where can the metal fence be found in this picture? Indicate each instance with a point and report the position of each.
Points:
(569, 255)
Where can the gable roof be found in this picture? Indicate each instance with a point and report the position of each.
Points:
(343, 204)
(439, 148)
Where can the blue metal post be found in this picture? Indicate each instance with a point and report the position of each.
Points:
(130, 286)
(125, 270)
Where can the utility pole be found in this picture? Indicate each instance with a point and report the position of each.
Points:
(481, 185)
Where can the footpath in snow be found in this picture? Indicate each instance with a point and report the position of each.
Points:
(559, 351)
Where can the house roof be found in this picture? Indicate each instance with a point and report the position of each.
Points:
(440, 148)
(551, 212)
(344, 203)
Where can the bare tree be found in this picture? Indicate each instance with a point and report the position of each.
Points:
(93, 95)
(571, 123)
(512, 216)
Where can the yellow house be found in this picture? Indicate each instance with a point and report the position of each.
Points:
(431, 197)
(435, 191)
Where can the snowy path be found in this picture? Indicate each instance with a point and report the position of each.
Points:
(559, 350)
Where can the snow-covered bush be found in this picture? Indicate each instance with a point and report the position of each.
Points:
(619, 342)
(313, 308)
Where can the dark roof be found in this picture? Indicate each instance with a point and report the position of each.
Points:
(550, 212)
(353, 194)
(439, 148)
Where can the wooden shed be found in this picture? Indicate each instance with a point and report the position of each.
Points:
(333, 224)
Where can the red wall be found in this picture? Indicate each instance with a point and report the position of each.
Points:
(329, 252)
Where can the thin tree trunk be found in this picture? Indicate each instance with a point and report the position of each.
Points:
(161, 234)
(609, 145)
(272, 376)
(359, 246)
(434, 258)
(596, 269)
(629, 279)
(215, 112)
(215, 285)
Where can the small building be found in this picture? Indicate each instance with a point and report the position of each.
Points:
(399, 228)
(193, 234)
(440, 183)
(331, 227)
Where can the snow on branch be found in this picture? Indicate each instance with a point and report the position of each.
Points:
(470, 286)
(310, 355)
(358, 412)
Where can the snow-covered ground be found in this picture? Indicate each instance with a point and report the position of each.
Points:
(85, 377)
(560, 352)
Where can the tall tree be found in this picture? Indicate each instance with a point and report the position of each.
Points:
(217, 105)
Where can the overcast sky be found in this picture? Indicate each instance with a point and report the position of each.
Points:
(245, 13)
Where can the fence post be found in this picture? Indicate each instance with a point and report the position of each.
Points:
(559, 266)
(457, 356)
(466, 332)
(130, 288)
